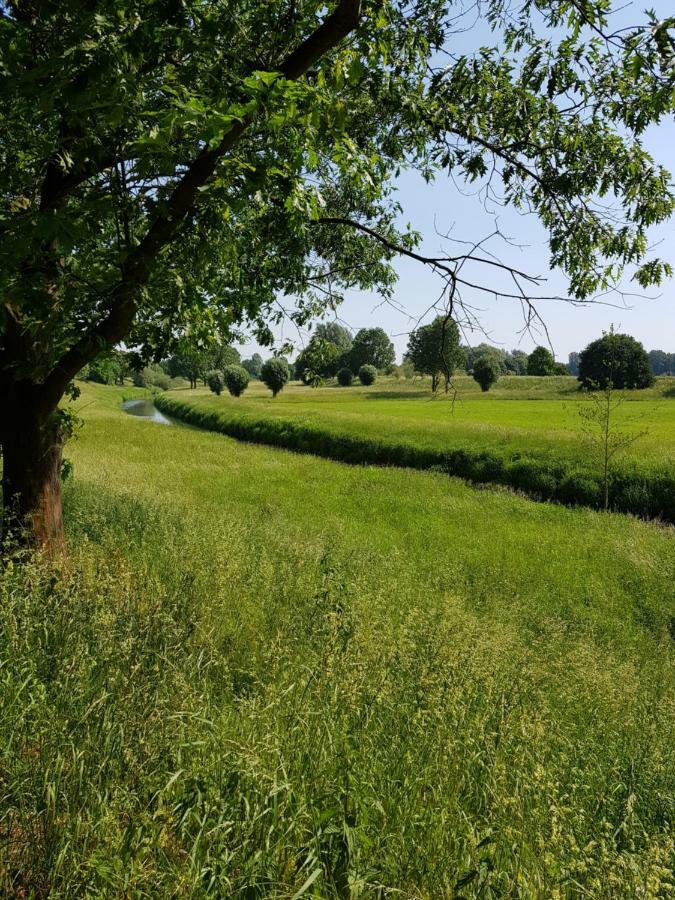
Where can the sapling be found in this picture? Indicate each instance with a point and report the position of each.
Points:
(601, 429)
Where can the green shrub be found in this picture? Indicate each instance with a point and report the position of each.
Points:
(236, 379)
(275, 374)
(367, 374)
(152, 376)
(215, 381)
(486, 371)
(345, 377)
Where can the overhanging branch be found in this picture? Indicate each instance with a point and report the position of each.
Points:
(182, 200)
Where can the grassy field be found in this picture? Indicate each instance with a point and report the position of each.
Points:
(265, 674)
(527, 433)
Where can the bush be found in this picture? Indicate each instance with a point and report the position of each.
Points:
(615, 358)
(345, 377)
(152, 376)
(275, 374)
(486, 371)
(367, 374)
(236, 379)
(215, 381)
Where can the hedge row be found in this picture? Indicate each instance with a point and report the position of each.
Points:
(649, 494)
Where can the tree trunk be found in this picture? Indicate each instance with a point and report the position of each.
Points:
(32, 446)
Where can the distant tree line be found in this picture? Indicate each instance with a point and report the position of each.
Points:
(332, 351)
(433, 350)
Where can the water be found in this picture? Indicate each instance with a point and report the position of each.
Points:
(146, 409)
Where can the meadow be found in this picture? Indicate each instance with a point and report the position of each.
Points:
(526, 432)
(268, 674)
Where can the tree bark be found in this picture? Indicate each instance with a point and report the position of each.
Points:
(32, 449)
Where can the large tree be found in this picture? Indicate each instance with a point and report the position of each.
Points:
(371, 347)
(179, 167)
(434, 350)
(617, 360)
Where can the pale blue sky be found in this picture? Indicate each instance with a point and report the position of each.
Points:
(440, 207)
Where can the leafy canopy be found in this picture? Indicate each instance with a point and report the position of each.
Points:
(434, 349)
(541, 362)
(371, 347)
(617, 360)
(177, 167)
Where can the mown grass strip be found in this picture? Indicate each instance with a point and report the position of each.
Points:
(648, 494)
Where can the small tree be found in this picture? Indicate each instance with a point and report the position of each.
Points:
(236, 380)
(215, 381)
(486, 371)
(540, 362)
(601, 431)
(615, 358)
(345, 377)
(275, 374)
(367, 374)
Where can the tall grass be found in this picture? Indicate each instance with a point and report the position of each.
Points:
(647, 491)
(267, 675)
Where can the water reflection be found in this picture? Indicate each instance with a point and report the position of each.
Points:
(146, 409)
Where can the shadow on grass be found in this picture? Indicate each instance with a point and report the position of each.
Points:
(413, 394)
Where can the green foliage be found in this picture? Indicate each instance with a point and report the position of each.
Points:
(336, 334)
(275, 374)
(152, 376)
(345, 377)
(602, 431)
(371, 347)
(660, 362)
(215, 381)
(245, 227)
(108, 368)
(193, 361)
(471, 354)
(317, 361)
(541, 362)
(516, 362)
(434, 350)
(254, 365)
(486, 372)
(367, 374)
(236, 379)
(616, 359)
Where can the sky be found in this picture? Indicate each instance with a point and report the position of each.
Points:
(440, 208)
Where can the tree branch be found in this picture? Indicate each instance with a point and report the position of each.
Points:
(183, 200)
